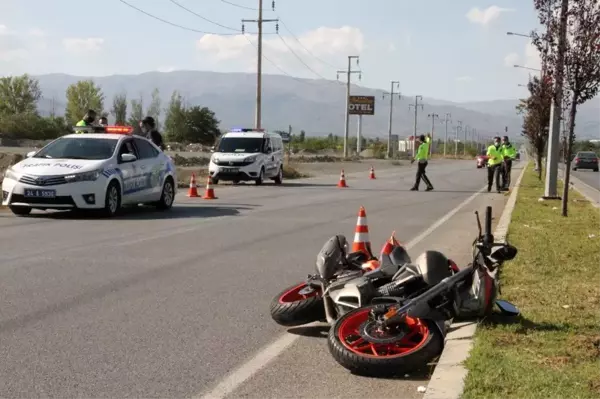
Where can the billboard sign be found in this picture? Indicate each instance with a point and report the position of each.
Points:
(361, 105)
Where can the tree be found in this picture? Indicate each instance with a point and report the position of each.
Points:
(536, 117)
(201, 126)
(302, 136)
(119, 109)
(19, 95)
(175, 118)
(154, 108)
(582, 64)
(137, 112)
(81, 97)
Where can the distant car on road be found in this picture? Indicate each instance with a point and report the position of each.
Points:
(482, 159)
(586, 160)
(100, 171)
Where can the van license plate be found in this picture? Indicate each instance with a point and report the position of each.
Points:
(35, 193)
(231, 170)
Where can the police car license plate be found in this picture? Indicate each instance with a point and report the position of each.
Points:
(35, 193)
(231, 170)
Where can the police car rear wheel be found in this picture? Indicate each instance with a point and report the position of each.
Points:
(20, 210)
(112, 203)
(167, 196)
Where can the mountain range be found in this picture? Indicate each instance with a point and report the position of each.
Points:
(316, 106)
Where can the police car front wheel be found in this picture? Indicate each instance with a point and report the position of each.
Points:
(167, 196)
(112, 202)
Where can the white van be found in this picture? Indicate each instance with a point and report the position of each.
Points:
(245, 155)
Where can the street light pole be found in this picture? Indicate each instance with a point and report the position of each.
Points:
(447, 119)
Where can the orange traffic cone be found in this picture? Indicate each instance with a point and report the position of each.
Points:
(342, 182)
(389, 245)
(193, 190)
(372, 173)
(209, 193)
(362, 243)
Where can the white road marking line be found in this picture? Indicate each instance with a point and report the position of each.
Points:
(267, 354)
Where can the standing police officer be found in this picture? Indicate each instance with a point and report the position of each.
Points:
(148, 126)
(87, 120)
(421, 157)
(495, 159)
(509, 153)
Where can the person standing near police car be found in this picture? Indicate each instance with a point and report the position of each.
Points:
(421, 157)
(509, 152)
(495, 160)
(87, 120)
(148, 126)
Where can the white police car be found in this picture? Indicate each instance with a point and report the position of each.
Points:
(100, 171)
(247, 155)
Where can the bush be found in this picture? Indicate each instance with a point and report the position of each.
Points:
(32, 126)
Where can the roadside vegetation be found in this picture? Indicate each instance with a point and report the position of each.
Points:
(553, 349)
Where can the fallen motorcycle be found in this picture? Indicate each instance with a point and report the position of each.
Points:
(346, 282)
(386, 339)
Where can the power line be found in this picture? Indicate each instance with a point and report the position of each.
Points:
(239, 6)
(174, 24)
(303, 46)
(203, 18)
(305, 81)
(300, 59)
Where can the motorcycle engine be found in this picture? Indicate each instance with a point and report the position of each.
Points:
(331, 257)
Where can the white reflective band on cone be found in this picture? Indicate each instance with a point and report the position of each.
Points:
(362, 221)
(361, 237)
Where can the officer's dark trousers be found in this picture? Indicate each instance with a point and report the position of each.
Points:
(421, 175)
(506, 169)
(493, 172)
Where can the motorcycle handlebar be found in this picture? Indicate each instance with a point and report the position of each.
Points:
(488, 221)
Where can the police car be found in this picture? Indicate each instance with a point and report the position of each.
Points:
(96, 171)
(247, 155)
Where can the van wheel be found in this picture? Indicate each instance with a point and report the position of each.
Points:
(20, 210)
(214, 181)
(279, 178)
(112, 201)
(261, 177)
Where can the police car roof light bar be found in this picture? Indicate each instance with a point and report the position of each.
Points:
(245, 129)
(118, 129)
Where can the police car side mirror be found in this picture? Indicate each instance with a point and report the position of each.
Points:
(128, 158)
(30, 154)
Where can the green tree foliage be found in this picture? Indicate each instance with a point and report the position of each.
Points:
(137, 112)
(31, 126)
(154, 108)
(119, 109)
(19, 95)
(190, 125)
(81, 97)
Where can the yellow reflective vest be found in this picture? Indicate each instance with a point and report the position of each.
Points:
(495, 155)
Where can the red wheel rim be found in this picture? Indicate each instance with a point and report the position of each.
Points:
(349, 335)
(294, 294)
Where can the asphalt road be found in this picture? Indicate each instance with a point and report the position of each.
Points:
(589, 177)
(167, 304)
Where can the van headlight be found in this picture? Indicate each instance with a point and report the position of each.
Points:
(10, 174)
(250, 160)
(215, 160)
(85, 176)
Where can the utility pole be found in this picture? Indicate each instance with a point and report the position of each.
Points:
(433, 116)
(416, 105)
(446, 120)
(259, 21)
(348, 73)
(458, 128)
(550, 187)
(359, 135)
(465, 142)
(394, 84)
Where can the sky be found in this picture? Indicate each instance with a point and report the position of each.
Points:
(455, 50)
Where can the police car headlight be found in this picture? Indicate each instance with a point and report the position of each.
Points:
(10, 174)
(85, 176)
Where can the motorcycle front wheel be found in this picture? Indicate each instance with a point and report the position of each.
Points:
(297, 305)
(357, 345)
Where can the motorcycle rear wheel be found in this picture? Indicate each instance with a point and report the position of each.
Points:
(410, 351)
(293, 307)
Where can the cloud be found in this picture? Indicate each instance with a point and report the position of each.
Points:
(484, 17)
(35, 32)
(464, 79)
(532, 56)
(82, 46)
(391, 47)
(332, 45)
(511, 59)
(13, 48)
(166, 69)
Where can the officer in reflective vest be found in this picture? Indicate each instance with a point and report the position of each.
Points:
(509, 152)
(495, 159)
(87, 120)
(421, 157)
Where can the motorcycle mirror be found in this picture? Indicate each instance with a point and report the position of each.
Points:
(507, 308)
(505, 253)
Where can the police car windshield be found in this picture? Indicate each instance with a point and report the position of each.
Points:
(240, 144)
(78, 148)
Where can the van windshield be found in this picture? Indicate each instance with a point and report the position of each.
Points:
(241, 144)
